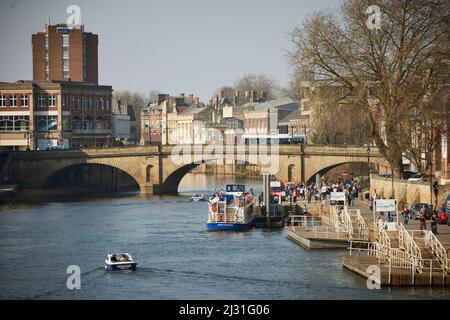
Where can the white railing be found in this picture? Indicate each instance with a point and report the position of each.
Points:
(306, 221)
(392, 257)
(347, 222)
(383, 238)
(407, 243)
(362, 229)
(341, 220)
(437, 249)
(434, 245)
(321, 232)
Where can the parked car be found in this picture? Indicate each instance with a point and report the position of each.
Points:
(408, 174)
(416, 177)
(415, 210)
(442, 216)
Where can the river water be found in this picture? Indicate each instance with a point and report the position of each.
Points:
(177, 258)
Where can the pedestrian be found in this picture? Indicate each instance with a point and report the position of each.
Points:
(434, 222)
(381, 223)
(405, 214)
(423, 222)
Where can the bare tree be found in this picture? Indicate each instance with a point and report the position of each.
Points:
(259, 83)
(385, 72)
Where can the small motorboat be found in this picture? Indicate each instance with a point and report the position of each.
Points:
(119, 262)
(198, 197)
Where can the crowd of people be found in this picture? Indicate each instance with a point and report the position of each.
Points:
(321, 191)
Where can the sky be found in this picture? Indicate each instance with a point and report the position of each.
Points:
(171, 46)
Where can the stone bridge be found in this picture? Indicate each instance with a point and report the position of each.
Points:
(159, 169)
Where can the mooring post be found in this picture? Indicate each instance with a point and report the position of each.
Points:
(266, 186)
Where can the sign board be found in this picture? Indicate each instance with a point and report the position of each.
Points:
(391, 226)
(337, 196)
(275, 184)
(384, 205)
(64, 29)
(448, 205)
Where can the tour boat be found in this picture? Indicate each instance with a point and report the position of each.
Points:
(197, 198)
(231, 210)
(120, 262)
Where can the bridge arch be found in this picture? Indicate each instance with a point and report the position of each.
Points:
(322, 171)
(92, 176)
(173, 180)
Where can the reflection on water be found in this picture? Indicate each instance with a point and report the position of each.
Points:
(177, 257)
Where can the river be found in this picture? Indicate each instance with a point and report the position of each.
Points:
(177, 258)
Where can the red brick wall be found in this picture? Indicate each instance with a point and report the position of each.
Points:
(55, 53)
(92, 58)
(76, 55)
(38, 48)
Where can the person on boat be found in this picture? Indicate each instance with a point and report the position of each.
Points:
(113, 258)
(123, 258)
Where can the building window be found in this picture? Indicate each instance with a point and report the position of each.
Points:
(66, 123)
(24, 100)
(47, 63)
(52, 101)
(12, 101)
(41, 100)
(14, 123)
(65, 56)
(46, 123)
(2, 101)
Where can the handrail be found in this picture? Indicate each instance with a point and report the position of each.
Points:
(363, 230)
(407, 243)
(383, 238)
(310, 220)
(347, 221)
(437, 249)
(396, 258)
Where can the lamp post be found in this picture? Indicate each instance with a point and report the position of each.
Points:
(368, 165)
(430, 164)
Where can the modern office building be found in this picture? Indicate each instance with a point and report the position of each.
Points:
(64, 53)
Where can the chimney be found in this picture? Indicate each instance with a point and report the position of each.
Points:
(182, 95)
(191, 99)
(197, 102)
(222, 94)
(216, 102)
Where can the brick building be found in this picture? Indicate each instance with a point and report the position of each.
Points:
(65, 53)
(39, 114)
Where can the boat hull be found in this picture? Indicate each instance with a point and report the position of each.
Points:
(121, 267)
(222, 226)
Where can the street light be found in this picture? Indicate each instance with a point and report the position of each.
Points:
(368, 165)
